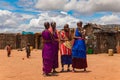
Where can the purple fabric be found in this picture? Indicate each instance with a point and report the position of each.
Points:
(56, 48)
(47, 52)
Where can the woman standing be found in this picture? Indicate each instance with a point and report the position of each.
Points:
(55, 46)
(47, 51)
(79, 60)
(65, 47)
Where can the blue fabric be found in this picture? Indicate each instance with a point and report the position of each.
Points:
(79, 47)
(66, 59)
(77, 33)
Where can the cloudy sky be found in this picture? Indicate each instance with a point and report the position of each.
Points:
(29, 15)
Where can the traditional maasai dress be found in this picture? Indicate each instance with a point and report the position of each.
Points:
(65, 49)
(47, 52)
(79, 52)
(56, 48)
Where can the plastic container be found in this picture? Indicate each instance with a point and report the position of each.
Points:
(110, 52)
(90, 51)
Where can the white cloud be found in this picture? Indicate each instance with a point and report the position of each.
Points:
(62, 12)
(34, 23)
(4, 12)
(50, 4)
(10, 21)
(37, 24)
(108, 19)
(15, 22)
(82, 6)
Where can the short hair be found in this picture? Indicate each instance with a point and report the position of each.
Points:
(46, 24)
(80, 22)
(53, 23)
(66, 26)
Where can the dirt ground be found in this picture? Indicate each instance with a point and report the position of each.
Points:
(100, 67)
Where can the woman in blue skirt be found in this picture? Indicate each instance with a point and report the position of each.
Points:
(79, 60)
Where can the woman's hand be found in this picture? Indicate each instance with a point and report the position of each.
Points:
(77, 37)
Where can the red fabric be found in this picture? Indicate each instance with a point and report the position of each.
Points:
(50, 29)
(62, 34)
(79, 63)
(67, 34)
(64, 50)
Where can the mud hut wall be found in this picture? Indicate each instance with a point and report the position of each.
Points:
(38, 41)
(18, 41)
(27, 39)
(97, 43)
(11, 39)
(106, 41)
(118, 38)
(2, 41)
(7, 39)
(31, 40)
(89, 30)
(118, 42)
(112, 41)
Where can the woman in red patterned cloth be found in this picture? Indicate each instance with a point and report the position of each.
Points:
(65, 47)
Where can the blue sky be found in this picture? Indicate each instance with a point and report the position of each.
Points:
(29, 15)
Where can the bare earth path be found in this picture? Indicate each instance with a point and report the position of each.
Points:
(100, 67)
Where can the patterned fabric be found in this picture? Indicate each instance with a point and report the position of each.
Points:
(65, 48)
(68, 44)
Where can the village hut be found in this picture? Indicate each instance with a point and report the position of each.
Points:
(7, 38)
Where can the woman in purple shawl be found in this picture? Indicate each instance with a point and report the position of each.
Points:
(47, 51)
(55, 45)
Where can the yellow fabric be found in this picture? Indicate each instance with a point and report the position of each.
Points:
(68, 44)
(31, 48)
